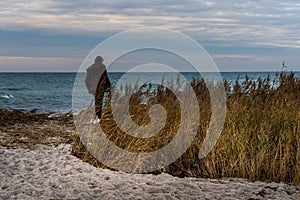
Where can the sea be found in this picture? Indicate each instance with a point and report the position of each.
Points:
(53, 92)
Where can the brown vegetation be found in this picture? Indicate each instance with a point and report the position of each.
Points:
(260, 139)
(19, 129)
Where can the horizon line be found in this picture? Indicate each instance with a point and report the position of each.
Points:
(140, 71)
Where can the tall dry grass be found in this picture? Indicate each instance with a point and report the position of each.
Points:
(260, 139)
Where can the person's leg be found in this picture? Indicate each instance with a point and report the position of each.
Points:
(99, 113)
(99, 104)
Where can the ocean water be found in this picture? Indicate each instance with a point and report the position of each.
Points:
(52, 92)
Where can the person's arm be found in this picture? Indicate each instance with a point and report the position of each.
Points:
(88, 81)
(91, 80)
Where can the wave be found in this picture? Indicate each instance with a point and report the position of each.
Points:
(7, 96)
(14, 88)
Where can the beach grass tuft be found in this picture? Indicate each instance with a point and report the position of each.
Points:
(260, 139)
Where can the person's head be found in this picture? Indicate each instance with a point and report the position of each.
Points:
(99, 59)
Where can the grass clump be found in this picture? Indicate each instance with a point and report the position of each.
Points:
(260, 139)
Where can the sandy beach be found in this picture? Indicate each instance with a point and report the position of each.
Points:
(49, 171)
(52, 173)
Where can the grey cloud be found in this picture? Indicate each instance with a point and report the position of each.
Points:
(254, 22)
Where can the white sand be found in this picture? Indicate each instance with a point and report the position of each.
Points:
(53, 173)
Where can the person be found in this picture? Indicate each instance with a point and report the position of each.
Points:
(97, 83)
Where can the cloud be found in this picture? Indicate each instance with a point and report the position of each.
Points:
(27, 64)
(231, 56)
(252, 22)
(236, 33)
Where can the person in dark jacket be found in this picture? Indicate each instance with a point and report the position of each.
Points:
(97, 83)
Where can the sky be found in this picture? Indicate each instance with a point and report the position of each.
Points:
(52, 35)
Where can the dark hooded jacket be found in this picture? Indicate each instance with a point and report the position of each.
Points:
(97, 83)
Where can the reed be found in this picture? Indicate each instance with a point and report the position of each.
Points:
(260, 139)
